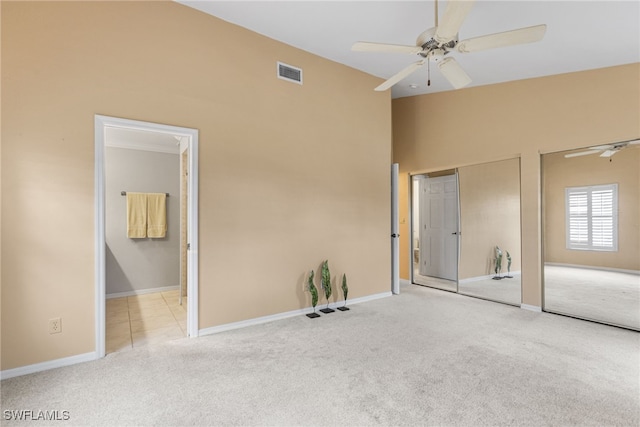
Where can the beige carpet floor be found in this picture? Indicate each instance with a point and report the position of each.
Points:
(424, 357)
(605, 296)
(507, 290)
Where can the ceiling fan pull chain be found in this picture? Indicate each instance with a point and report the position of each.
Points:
(428, 73)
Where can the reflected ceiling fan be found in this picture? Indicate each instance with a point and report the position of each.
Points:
(435, 44)
(605, 150)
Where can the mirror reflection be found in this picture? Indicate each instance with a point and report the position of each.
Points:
(435, 230)
(466, 230)
(591, 201)
(490, 231)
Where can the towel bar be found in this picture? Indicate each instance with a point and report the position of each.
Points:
(124, 193)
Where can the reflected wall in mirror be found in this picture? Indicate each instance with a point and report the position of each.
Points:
(591, 214)
(490, 217)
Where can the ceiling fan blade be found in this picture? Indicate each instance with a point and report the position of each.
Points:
(454, 73)
(399, 76)
(507, 38)
(581, 153)
(452, 19)
(608, 153)
(382, 47)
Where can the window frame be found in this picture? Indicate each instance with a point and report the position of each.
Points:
(573, 245)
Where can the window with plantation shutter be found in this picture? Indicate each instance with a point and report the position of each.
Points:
(592, 217)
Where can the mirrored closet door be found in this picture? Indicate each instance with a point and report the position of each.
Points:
(490, 231)
(591, 216)
(466, 230)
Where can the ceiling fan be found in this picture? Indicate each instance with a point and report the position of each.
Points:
(435, 44)
(605, 150)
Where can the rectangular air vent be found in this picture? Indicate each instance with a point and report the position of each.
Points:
(289, 73)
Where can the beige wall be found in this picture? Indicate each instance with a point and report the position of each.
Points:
(559, 173)
(516, 119)
(489, 217)
(289, 175)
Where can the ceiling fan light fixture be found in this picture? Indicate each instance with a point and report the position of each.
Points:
(436, 55)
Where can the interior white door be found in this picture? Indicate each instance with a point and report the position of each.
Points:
(439, 227)
(395, 232)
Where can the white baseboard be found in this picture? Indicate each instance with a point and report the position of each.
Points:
(531, 308)
(593, 267)
(87, 357)
(285, 315)
(142, 292)
(404, 282)
(479, 278)
(44, 366)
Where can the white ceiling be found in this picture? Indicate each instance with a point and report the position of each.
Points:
(581, 35)
(142, 140)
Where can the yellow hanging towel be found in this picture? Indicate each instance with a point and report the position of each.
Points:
(136, 215)
(156, 215)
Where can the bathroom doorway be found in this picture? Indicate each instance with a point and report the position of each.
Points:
(145, 286)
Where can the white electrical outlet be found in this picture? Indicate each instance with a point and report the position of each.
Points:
(55, 325)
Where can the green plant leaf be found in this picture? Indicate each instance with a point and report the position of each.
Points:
(326, 280)
(313, 290)
(345, 288)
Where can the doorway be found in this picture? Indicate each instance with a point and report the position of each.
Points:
(435, 227)
(185, 142)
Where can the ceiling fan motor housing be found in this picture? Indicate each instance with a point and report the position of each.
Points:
(431, 49)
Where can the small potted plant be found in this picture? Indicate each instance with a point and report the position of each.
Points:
(314, 295)
(508, 276)
(498, 261)
(345, 291)
(326, 285)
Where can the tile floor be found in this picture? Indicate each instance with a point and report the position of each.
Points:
(144, 320)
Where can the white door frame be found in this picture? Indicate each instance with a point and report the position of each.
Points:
(191, 137)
